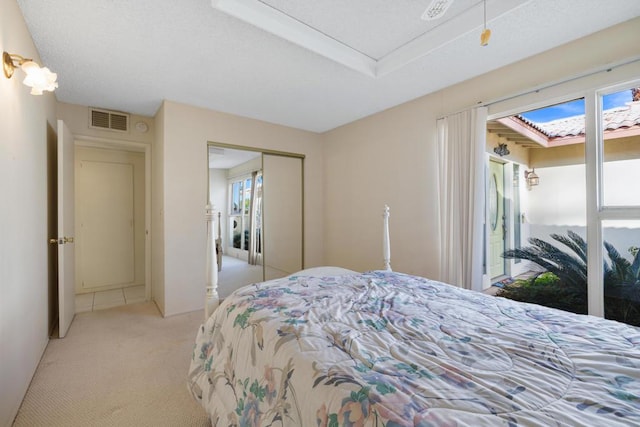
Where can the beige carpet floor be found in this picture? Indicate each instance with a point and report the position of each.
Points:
(236, 273)
(124, 366)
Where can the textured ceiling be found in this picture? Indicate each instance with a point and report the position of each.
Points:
(130, 55)
(372, 27)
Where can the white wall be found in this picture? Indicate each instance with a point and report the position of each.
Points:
(183, 187)
(27, 126)
(218, 189)
(245, 168)
(560, 197)
(390, 157)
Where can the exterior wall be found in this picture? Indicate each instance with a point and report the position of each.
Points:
(186, 131)
(27, 166)
(391, 157)
(517, 154)
(558, 203)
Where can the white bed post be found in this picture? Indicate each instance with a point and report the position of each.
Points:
(211, 300)
(386, 244)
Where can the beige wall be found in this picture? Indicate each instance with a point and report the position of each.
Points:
(27, 126)
(350, 173)
(157, 212)
(183, 187)
(390, 157)
(77, 119)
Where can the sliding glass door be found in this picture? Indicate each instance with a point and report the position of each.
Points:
(581, 204)
(616, 211)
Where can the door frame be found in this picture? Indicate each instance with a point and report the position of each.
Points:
(506, 215)
(140, 147)
(264, 151)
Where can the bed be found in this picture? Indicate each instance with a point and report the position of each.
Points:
(332, 347)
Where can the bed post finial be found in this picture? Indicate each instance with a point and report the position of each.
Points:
(386, 245)
(211, 300)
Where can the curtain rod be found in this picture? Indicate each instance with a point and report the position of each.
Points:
(606, 68)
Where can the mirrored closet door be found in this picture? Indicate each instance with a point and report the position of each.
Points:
(258, 202)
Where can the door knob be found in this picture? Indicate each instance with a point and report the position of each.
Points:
(61, 240)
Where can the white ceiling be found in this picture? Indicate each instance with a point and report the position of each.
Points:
(130, 55)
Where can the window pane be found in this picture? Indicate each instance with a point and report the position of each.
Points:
(621, 135)
(622, 270)
(245, 233)
(235, 235)
(553, 232)
(236, 198)
(247, 196)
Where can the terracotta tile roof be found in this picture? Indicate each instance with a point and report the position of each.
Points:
(615, 118)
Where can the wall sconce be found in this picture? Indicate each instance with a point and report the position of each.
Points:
(37, 78)
(532, 178)
(501, 150)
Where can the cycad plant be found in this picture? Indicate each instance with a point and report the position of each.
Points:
(569, 291)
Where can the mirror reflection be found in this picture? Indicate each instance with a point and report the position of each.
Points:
(257, 199)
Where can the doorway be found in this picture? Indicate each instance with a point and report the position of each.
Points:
(111, 227)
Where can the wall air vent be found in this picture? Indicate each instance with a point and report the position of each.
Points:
(108, 120)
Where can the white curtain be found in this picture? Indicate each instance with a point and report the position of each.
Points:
(255, 221)
(461, 147)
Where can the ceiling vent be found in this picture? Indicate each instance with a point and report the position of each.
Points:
(108, 120)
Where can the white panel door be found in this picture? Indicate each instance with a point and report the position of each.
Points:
(106, 220)
(66, 229)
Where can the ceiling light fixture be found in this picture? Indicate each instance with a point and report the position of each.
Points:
(37, 78)
(486, 33)
(436, 9)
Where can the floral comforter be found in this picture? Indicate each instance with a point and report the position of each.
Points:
(387, 349)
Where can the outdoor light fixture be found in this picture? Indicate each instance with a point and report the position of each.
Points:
(486, 33)
(532, 178)
(37, 78)
(502, 150)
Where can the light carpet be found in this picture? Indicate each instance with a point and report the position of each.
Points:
(237, 273)
(124, 366)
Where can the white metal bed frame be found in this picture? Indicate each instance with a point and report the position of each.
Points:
(212, 300)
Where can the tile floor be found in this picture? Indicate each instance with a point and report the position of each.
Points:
(108, 299)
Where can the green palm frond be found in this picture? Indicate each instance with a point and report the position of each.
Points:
(621, 277)
(574, 242)
(635, 267)
(621, 268)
